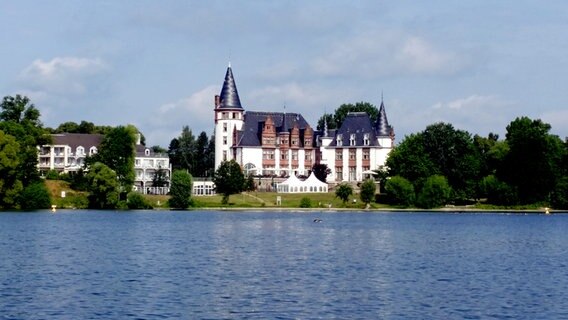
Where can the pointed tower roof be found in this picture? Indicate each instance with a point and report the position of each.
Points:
(229, 95)
(382, 125)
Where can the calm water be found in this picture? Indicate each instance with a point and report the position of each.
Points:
(217, 265)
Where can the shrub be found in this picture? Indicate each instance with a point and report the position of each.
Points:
(344, 191)
(135, 200)
(180, 190)
(498, 192)
(368, 189)
(400, 191)
(52, 175)
(559, 196)
(435, 192)
(305, 202)
(35, 196)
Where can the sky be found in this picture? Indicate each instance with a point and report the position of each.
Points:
(158, 64)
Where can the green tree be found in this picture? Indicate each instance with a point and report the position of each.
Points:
(229, 179)
(328, 119)
(160, 178)
(10, 185)
(400, 191)
(559, 197)
(321, 171)
(344, 191)
(35, 196)
(497, 192)
(103, 187)
(410, 160)
(533, 163)
(201, 145)
(435, 192)
(180, 190)
(368, 189)
(249, 184)
(20, 119)
(117, 151)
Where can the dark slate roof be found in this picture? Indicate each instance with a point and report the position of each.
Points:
(251, 133)
(229, 95)
(75, 140)
(141, 152)
(358, 123)
(382, 126)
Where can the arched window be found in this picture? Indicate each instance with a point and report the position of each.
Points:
(80, 151)
(250, 169)
(92, 150)
(147, 152)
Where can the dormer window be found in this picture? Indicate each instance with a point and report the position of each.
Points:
(92, 151)
(339, 139)
(80, 151)
(307, 142)
(366, 139)
(352, 139)
(147, 152)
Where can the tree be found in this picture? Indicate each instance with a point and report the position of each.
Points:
(410, 160)
(20, 119)
(103, 187)
(10, 185)
(435, 192)
(159, 179)
(200, 154)
(368, 189)
(135, 200)
(117, 151)
(321, 171)
(326, 119)
(533, 164)
(229, 179)
(180, 190)
(559, 197)
(344, 191)
(400, 191)
(35, 196)
(249, 184)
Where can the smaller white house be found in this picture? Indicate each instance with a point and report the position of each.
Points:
(295, 185)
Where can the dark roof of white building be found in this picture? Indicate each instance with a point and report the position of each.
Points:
(229, 95)
(75, 140)
(251, 133)
(359, 126)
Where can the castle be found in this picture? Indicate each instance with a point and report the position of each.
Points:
(282, 144)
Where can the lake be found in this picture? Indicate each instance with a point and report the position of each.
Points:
(282, 265)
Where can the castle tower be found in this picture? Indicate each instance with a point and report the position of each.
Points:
(229, 118)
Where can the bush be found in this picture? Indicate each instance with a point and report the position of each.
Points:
(498, 192)
(344, 191)
(559, 196)
(180, 190)
(400, 191)
(35, 196)
(305, 202)
(135, 200)
(435, 192)
(368, 189)
(52, 175)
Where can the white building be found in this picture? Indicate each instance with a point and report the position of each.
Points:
(281, 144)
(68, 152)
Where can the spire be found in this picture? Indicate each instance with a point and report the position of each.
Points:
(229, 94)
(325, 125)
(285, 125)
(382, 126)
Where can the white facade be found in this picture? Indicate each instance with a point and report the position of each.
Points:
(227, 121)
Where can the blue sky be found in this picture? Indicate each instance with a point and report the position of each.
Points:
(158, 64)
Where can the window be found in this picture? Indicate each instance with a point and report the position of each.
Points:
(147, 152)
(339, 154)
(92, 150)
(224, 127)
(352, 154)
(225, 155)
(294, 142)
(366, 154)
(366, 168)
(340, 139)
(80, 151)
(352, 139)
(338, 173)
(308, 155)
(284, 156)
(295, 155)
(225, 115)
(366, 139)
(268, 154)
(352, 173)
(308, 142)
(225, 140)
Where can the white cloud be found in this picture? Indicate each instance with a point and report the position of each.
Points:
(63, 75)
(383, 52)
(195, 111)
